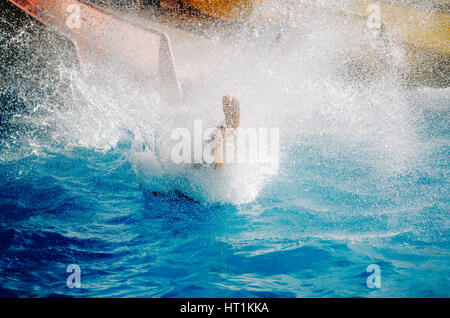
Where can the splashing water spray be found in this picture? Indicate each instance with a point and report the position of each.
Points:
(327, 81)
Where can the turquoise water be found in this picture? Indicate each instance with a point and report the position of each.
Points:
(85, 178)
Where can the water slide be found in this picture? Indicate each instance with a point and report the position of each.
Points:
(103, 37)
(420, 29)
(425, 25)
(143, 50)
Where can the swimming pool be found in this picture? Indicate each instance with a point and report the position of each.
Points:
(362, 180)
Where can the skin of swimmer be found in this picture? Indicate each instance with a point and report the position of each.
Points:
(232, 112)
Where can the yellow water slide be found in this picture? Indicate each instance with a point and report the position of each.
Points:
(423, 24)
(227, 10)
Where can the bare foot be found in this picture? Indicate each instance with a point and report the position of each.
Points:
(232, 111)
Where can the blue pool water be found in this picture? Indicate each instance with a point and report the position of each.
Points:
(84, 179)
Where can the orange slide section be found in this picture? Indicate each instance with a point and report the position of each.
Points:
(227, 10)
(102, 37)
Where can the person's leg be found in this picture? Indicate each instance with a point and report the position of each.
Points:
(232, 111)
(236, 112)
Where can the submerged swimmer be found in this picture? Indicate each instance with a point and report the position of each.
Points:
(222, 133)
